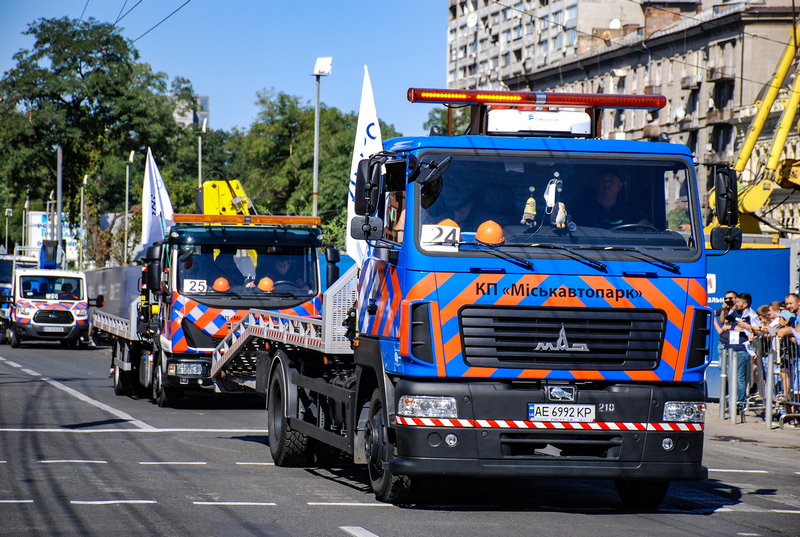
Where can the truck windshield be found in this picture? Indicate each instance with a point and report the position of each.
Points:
(274, 270)
(571, 200)
(40, 287)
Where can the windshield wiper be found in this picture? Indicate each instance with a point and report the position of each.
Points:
(671, 266)
(501, 253)
(594, 262)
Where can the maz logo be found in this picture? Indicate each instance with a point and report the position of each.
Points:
(562, 344)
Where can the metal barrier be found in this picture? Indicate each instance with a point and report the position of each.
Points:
(772, 381)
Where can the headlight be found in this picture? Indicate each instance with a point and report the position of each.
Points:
(424, 406)
(685, 411)
(26, 312)
(81, 314)
(185, 370)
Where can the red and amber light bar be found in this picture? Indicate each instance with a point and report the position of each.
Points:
(536, 98)
(245, 219)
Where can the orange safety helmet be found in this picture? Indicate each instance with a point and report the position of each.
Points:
(448, 223)
(266, 284)
(221, 284)
(490, 232)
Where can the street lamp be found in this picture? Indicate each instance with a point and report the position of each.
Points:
(321, 68)
(200, 154)
(127, 188)
(9, 213)
(83, 227)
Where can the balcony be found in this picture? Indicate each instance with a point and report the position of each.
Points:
(691, 82)
(719, 74)
(652, 90)
(689, 124)
(651, 131)
(719, 116)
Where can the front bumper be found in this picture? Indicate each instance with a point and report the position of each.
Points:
(494, 438)
(49, 332)
(196, 382)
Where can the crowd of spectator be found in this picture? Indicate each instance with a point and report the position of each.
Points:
(746, 334)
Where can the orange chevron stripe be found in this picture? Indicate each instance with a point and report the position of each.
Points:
(427, 285)
(686, 335)
(652, 294)
(534, 373)
(531, 279)
(697, 292)
(206, 318)
(479, 372)
(452, 348)
(405, 328)
(181, 345)
(468, 295)
(393, 308)
(670, 354)
(643, 375)
(376, 324)
(587, 375)
(436, 335)
(599, 282)
(574, 302)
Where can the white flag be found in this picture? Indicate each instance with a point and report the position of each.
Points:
(368, 142)
(156, 205)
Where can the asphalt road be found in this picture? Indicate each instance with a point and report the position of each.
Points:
(77, 460)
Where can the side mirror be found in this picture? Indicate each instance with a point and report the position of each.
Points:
(366, 228)
(368, 188)
(726, 238)
(99, 302)
(153, 282)
(153, 253)
(726, 197)
(333, 257)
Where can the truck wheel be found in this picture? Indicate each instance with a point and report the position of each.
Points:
(13, 340)
(387, 487)
(122, 382)
(3, 336)
(641, 494)
(163, 395)
(287, 446)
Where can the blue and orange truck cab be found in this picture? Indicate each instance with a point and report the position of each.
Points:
(512, 321)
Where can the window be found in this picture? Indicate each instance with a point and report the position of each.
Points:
(544, 22)
(572, 12)
(482, 67)
(472, 70)
(473, 47)
(531, 51)
(453, 34)
(518, 32)
(462, 51)
(558, 17)
(529, 28)
(518, 55)
(557, 41)
(506, 37)
(452, 77)
(484, 44)
(463, 30)
(493, 63)
(543, 47)
(572, 37)
(506, 59)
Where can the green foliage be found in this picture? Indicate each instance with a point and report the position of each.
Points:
(676, 218)
(437, 117)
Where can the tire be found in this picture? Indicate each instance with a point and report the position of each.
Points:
(3, 336)
(287, 446)
(641, 494)
(122, 379)
(164, 396)
(13, 340)
(387, 487)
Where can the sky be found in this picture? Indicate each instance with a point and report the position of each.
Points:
(230, 49)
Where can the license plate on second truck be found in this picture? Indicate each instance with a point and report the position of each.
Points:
(560, 412)
(53, 329)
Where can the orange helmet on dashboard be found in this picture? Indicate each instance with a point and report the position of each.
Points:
(490, 232)
(266, 284)
(221, 284)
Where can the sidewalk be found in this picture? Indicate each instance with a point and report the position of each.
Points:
(753, 429)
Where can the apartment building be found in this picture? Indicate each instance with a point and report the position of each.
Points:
(711, 62)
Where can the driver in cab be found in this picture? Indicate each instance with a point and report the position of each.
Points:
(606, 209)
(282, 271)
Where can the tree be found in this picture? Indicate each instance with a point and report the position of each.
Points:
(437, 117)
(81, 88)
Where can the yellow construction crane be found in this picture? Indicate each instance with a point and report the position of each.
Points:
(775, 172)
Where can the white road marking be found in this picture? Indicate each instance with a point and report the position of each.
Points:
(734, 471)
(749, 534)
(357, 531)
(110, 502)
(102, 406)
(259, 504)
(32, 372)
(255, 464)
(350, 504)
(71, 461)
(786, 511)
(156, 463)
(16, 501)
(13, 364)
(151, 430)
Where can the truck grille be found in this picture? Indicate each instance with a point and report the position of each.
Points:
(53, 317)
(586, 446)
(562, 338)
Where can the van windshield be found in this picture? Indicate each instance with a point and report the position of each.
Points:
(40, 287)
